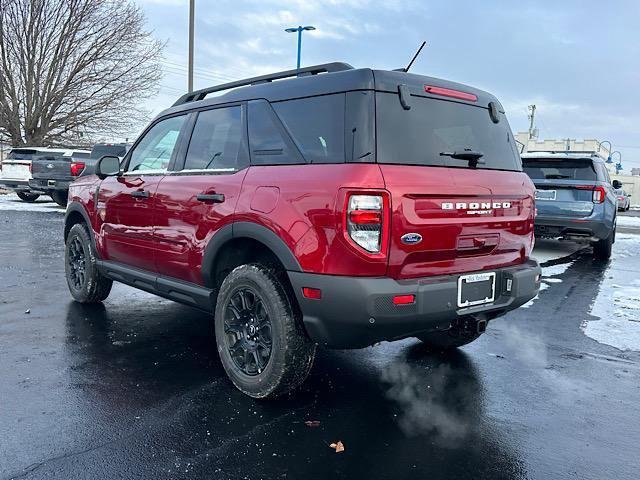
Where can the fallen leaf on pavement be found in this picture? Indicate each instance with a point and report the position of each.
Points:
(312, 423)
(338, 447)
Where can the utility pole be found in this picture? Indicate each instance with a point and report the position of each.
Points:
(532, 115)
(192, 8)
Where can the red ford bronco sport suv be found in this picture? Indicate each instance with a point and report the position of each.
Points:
(324, 206)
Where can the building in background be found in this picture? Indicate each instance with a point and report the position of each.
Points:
(564, 144)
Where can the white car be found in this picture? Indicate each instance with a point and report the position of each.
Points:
(624, 200)
(16, 170)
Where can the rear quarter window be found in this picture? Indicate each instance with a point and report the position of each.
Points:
(316, 125)
(418, 136)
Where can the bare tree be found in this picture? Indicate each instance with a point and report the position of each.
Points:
(73, 68)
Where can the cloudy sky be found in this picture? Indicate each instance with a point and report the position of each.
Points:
(578, 61)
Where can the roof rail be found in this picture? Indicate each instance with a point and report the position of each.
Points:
(566, 152)
(313, 70)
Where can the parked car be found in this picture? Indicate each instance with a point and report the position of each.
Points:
(101, 149)
(337, 206)
(624, 199)
(16, 170)
(574, 197)
(52, 173)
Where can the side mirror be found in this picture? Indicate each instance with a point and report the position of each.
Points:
(616, 184)
(107, 166)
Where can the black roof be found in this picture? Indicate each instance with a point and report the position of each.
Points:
(311, 81)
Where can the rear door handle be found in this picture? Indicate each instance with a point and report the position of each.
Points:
(211, 197)
(140, 194)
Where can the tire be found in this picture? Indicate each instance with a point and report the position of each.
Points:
(602, 248)
(448, 339)
(85, 282)
(27, 196)
(60, 197)
(261, 342)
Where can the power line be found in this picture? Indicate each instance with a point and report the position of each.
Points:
(202, 71)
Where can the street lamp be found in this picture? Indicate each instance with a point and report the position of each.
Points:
(619, 164)
(299, 29)
(610, 148)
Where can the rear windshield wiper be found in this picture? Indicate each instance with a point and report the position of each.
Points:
(556, 176)
(473, 156)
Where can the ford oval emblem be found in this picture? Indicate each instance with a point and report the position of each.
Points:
(411, 238)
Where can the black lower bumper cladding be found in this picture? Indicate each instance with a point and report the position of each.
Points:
(355, 312)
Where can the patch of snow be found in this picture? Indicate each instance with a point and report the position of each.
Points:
(11, 201)
(546, 249)
(617, 304)
(627, 221)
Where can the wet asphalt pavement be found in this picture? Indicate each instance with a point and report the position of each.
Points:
(134, 389)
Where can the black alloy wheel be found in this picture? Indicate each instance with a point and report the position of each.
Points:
(247, 328)
(77, 263)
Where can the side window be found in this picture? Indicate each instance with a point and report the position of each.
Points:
(216, 141)
(153, 153)
(268, 144)
(316, 125)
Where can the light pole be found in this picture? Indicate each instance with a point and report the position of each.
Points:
(610, 148)
(192, 7)
(299, 29)
(619, 164)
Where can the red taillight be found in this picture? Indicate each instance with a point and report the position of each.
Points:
(447, 92)
(365, 217)
(312, 293)
(404, 299)
(365, 221)
(30, 167)
(77, 168)
(620, 198)
(599, 193)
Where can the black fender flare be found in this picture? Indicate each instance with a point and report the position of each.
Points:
(77, 207)
(250, 230)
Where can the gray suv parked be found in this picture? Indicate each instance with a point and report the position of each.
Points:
(575, 198)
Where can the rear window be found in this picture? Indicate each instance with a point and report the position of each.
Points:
(559, 169)
(21, 154)
(418, 136)
(99, 151)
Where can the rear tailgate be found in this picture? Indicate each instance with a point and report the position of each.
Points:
(50, 167)
(469, 220)
(563, 186)
(455, 177)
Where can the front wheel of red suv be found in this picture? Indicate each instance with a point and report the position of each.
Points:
(260, 339)
(86, 283)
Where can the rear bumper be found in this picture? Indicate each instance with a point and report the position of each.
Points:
(355, 312)
(17, 185)
(43, 185)
(546, 226)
